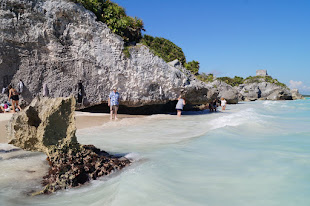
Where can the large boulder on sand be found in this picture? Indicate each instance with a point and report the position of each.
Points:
(48, 125)
(44, 124)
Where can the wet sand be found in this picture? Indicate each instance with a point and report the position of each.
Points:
(86, 120)
(83, 120)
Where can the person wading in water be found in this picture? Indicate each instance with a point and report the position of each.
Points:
(180, 105)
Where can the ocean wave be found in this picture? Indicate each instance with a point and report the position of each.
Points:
(245, 116)
(270, 102)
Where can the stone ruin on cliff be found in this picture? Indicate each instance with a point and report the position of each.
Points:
(261, 72)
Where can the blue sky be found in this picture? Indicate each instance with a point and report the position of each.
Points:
(235, 37)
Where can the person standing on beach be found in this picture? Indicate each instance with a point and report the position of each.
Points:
(20, 86)
(180, 105)
(4, 88)
(113, 103)
(80, 92)
(223, 103)
(13, 94)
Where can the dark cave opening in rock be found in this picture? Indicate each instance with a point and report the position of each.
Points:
(168, 108)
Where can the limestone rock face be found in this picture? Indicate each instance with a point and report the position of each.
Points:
(249, 92)
(44, 124)
(48, 125)
(227, 91)
(296, 94)
(57, 43)
(263, 91)
(195, 92)
(279, 95)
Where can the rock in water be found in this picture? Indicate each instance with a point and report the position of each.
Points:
(296, 94)
(48, 125)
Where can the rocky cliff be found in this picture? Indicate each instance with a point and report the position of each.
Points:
(263, 90)
(58, 43)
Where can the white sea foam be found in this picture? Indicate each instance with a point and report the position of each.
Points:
(6, 147)
(133, 156)
(270, 102)
(235, 119)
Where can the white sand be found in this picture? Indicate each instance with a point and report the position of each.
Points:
(5, 116)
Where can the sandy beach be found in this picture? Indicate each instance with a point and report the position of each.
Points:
(83, 120)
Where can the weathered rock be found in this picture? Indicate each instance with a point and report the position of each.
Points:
(74, 167)
(195, 92)
(249, 92)
(263, 90)
(296, 94)
(279, 95)
(227, 91)
(58, 43)
(45, 123)
(48, 125)
(175, 63)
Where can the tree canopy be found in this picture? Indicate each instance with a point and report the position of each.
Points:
(192, 66)
(164, 48)
(129, 28)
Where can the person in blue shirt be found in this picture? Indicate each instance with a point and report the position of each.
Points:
(113, 103)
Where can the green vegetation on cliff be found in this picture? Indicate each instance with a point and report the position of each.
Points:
(164, 48)
(269, 79)
(205, 77)
(168, 51)
(236, 81)
(232, 81)
(192, 66)
(115, 17)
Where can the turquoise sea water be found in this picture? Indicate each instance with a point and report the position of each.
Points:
(252, 154)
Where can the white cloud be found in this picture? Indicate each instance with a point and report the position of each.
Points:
(295, 84)
(300, 86)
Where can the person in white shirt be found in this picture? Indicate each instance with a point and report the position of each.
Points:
(223, 103)
(20, 86)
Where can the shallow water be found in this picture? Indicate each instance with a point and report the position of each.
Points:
(254, 153)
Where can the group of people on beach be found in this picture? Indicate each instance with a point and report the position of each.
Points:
(114, 97)
(12, 105)
(215, 103)
(211, 106)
